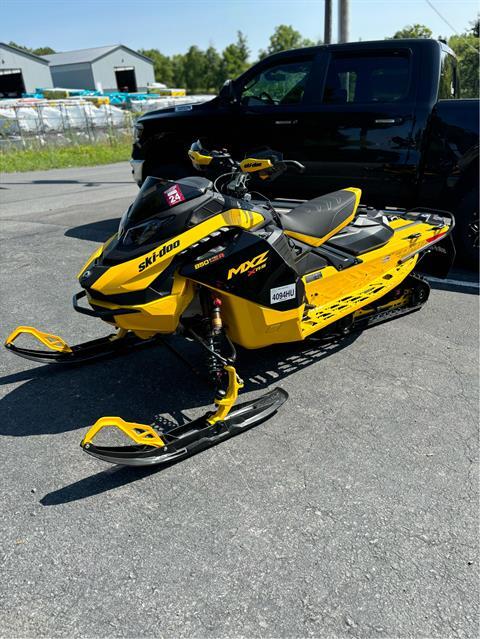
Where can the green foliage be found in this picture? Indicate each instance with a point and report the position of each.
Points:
(235, 57)
(43, 51)
(178, 71)
(36, 159)
(195, 69)
(467, 50)
(214, 73)
(162, 65)
(413, 31)
(200, 71)
(475, 30)
(37, 51)
(285, 37)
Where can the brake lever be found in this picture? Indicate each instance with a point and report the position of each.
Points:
(298, 165)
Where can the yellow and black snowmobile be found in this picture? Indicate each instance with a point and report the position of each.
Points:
(209, 261)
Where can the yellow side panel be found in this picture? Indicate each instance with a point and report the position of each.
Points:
(160, 316)
(362, 290)
(255, 326)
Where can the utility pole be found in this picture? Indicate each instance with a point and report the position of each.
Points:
(343, 20)
(327, 38)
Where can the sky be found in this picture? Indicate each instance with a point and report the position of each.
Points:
(173, 25)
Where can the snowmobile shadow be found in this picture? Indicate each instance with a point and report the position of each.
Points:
(95, 231)
(102, 482)
(61, 399)
(140, 385)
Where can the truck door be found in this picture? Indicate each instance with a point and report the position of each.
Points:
(271, 101)
(359, 132)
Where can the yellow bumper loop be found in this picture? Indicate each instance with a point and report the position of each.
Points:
(53, 342)
(224, 404)
(141, 434)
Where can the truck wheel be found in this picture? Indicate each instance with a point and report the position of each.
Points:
(466, 236)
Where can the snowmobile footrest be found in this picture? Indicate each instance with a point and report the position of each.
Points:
(192, 437)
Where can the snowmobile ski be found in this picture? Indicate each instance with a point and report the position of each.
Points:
(155, 447)
(61, 353)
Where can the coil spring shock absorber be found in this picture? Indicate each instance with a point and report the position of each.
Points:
(213, 332)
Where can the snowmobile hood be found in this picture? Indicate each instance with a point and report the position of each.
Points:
(162, 210)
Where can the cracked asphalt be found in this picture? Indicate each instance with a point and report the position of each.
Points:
(352, 513)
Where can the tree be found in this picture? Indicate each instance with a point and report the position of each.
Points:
(214, 75)
(413, 31)
(235, 57)
(38, 51)
(195, 69)
(178, 68)
(467, 49)
(162, 65)
(475, 30)
(285, 37)
(43, 51)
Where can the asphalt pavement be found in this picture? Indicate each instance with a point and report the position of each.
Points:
(351, 513)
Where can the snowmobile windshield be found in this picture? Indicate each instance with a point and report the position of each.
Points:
(159, 208)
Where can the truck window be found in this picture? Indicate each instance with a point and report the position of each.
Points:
(367, 78)
(447, 88)
(281, 84)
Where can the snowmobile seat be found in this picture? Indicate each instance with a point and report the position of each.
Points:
(315, 221)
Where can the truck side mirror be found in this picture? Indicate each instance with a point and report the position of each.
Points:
(227, 92)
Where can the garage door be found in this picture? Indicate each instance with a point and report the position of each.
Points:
(11, 83)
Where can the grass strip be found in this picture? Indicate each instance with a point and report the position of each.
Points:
(14, 160)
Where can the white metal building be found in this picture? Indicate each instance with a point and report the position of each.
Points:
(22, 72)
(113, 68)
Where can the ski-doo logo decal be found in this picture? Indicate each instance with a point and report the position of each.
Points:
(203, 263)
(251, 266)
(174, 195)
(151, 259)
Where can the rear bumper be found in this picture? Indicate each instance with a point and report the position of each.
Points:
(137, 170)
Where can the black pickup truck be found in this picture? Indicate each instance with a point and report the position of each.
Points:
(383, 116)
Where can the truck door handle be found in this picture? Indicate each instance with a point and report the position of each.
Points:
(388, 120)
(286, 122)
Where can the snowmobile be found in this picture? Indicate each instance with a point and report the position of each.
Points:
(224, 266)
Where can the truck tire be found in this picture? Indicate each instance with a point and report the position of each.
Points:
(466, 235)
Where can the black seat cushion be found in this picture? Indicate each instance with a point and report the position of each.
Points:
(316, 220)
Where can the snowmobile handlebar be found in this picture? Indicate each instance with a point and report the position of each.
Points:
(266, 164)
(295, 164)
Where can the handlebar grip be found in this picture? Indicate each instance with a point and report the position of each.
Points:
(298, 165)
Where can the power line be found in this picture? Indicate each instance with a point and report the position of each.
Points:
(441, 16)
(448, 24)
